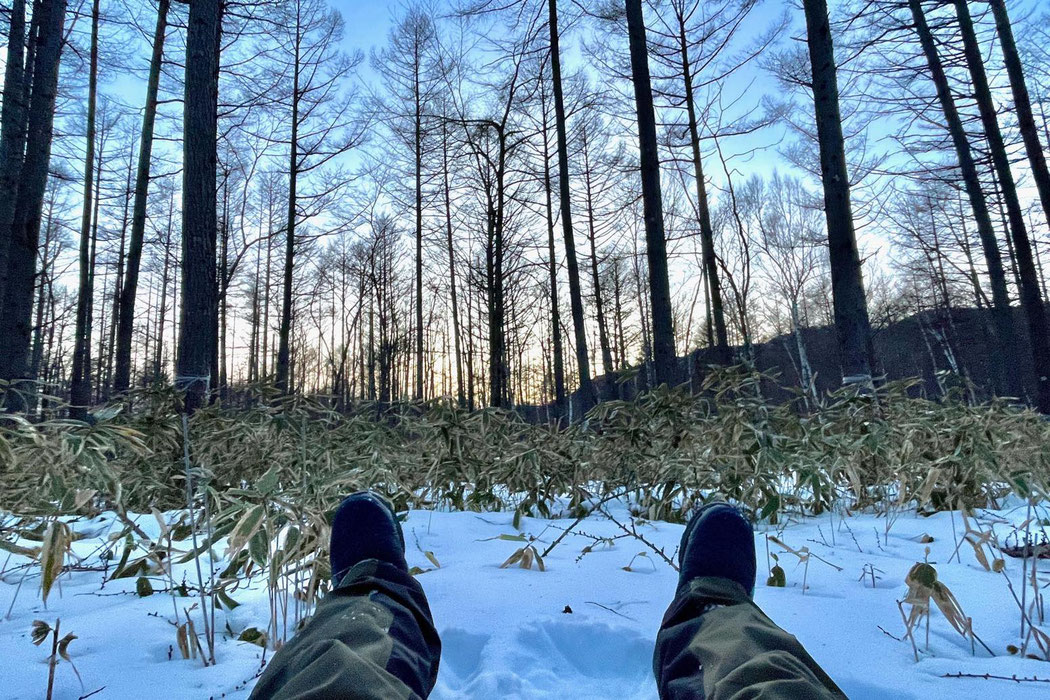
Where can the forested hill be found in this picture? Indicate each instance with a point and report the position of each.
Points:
(924, 346)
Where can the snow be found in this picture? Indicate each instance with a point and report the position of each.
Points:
(507, 633)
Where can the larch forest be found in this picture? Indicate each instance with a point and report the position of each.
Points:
(532, 257)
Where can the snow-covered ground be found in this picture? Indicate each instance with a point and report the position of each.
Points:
(508, 632)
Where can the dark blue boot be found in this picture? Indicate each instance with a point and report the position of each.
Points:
(365, 527)
(718, 542)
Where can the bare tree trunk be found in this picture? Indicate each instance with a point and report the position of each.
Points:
(587, 395)
(283, 368)
(80, 386)
(621, 346)
(125, 325)
(1004, 222)
(1022, 105)
(494, 274)
(1031, 299)
(664, 357)
(454, 300)
(847, 283)
(558, 352)
(265, 359)
(470, 346)
(158, 361)
(44, 287)
(1038, 258)
(224, 285)
(502, 352)
(256, 317)
(118, 287)
(599, 306)
(197, 317)
(707, 237)
(371, 349)
(418, 142)
(980, 298)
(643, 315)
(1007, 382)
(12, 130)
(97, 199)
(16, 321)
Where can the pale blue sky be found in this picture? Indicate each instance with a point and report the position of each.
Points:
(367, 21)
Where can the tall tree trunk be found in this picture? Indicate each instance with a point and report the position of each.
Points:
(847, 283)
(16, 321)
(158, 362)
(470, 347)
(80, 385)
(12, 130)
(1006, 381)
(152, 333)
(500, 290)
(265, 359)
(283, 368)
(1004, 222)
(1031, 299)
(643, 317)
(980, 298)
(224, 285)
(713, 288)
(43, 285)
(652, 201)
(599, 305)
(256, 317)
(92, 267)
(621, 343)
(197, 316)
(587, 396)
(1023, 105)
(364, 342)
(494, 313)
(418, 137)
(126, 322)
(1038, 258)
(119, 285)
(558, 361)
(371, 360)
(460, 397)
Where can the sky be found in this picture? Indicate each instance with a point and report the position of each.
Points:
(367, 22)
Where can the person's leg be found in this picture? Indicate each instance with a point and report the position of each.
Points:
(715, 643)
(371, 637)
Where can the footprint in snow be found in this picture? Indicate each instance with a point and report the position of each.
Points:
(547, 659)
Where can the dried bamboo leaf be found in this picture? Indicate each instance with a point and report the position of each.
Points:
(39, 631)
(52, 555)
(513, 558)
(63, 646)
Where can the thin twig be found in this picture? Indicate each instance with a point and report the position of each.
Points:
(988, 676)
(891, 636)
(614, 612)
(633, 532)
(580, 519)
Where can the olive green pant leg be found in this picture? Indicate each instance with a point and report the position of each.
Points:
(716, 644)
(371, 638)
